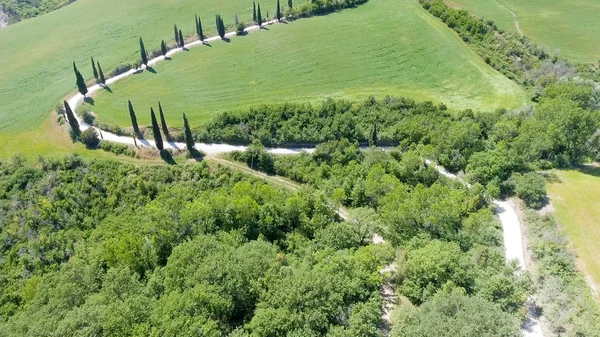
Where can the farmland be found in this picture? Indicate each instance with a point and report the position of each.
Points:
(344, 55)
(575, 198)
(570, 28)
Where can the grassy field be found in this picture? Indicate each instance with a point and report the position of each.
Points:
(384, 47)
(576, 201)
(570, 27)
(36, 54)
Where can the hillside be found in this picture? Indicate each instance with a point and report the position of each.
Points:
(396, 48)
(570, 28)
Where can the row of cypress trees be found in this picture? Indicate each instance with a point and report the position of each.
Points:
(156, 129)
(220, 25)
(179, 39)
(98, 73)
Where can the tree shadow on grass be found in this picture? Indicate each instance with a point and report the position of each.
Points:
(589, 170)
(89, 100)
(167, 157)
(107, 88)
(207, 44)
(151, 69)
(226, 39)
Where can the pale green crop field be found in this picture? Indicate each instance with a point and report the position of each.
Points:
(384, 47)
(571, 28)
(576, 201)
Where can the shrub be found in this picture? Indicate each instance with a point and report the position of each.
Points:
(88, 117)
(530, 187)
(239, 29)
(120, 69)
(90, 138)
(116, 148)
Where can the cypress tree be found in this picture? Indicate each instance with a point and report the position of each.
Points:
(80, 81)
(163, 123)
(290, 4)
(163, 48)
(156, 131)
(259, 17)
(220, 26)
(72, 120)
(102, 79)
(254, 11)
(143, 53)
(373, 139)
(189, 140)
(176, 34)
(94, 69)
(200, 33)
(197, 27)
(278, 12)
(181, 42)
(134, 122)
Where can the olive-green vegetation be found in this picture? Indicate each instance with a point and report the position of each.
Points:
(105, 248)
(401, 50)
(450, 241)
(511, 53)
(454, 314)
(575, 196)
(566, 299)
(489, 147)
(568, 27)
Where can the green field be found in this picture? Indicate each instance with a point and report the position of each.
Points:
(36, 54)
(576, 201)
(570, 27)
(384, 47)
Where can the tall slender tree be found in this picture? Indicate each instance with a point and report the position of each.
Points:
(259, 17)
(290, 4)
(278, 11)
(220, 26)
(72, 121)
(102, 79)
(181, 41)
(94, 68)
(80, 81)
(163, 123)
(373, 139)
(163, 48)
(176, 34)
(156, 131)
(143, 52)
(200, 32)
(189, 140)
(134, 122)
(254, 11)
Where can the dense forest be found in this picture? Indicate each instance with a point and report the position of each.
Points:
(104, 248)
